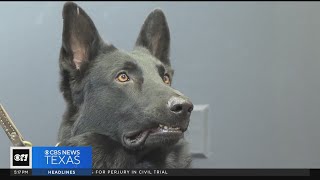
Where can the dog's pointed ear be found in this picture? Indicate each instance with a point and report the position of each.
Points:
(80, 38)
(155, 36)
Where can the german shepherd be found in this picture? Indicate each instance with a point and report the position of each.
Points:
(122, 103)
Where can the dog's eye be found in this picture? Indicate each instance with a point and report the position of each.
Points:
(166, 79)
(123, 77)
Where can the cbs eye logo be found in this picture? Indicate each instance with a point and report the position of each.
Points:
(20, 157)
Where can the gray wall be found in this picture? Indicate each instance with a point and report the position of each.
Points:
(255, 63)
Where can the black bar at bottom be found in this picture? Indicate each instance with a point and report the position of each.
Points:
(201, 172)
(20, 172)
(182, 172)
(314, 172)
(242, 172)
(4, 172)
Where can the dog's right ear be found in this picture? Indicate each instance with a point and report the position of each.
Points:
(80, 39)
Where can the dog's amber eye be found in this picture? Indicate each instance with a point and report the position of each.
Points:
(123, 77)
(166, 79)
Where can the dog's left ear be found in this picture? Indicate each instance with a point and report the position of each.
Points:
(155, 36)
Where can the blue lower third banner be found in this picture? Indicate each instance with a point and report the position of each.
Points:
(55, 161)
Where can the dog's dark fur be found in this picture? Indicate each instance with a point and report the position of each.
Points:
(102, 111)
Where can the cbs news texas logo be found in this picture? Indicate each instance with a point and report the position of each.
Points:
(50, 157)
(58, 156)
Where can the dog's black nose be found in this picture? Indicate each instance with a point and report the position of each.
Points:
(179, 105)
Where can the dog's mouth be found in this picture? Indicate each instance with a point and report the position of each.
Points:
(138, 138)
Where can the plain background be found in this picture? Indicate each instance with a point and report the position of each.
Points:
(255, 63)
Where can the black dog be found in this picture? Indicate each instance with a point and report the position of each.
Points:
(122, 103)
